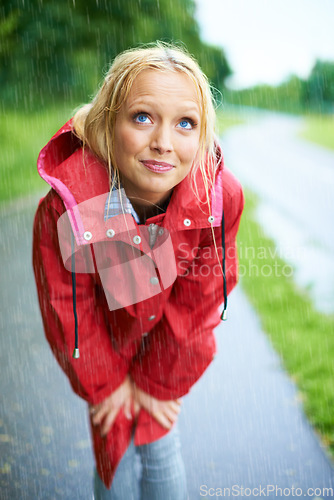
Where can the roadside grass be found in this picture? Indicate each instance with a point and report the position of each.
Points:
(319, 129)
(22, 136)
(303, 337)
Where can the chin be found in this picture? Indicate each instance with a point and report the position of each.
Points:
(158, 186)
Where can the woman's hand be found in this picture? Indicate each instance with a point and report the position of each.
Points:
(130, 397)
(107, 411)
(164, 412)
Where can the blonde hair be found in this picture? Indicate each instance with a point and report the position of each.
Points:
(94, 123)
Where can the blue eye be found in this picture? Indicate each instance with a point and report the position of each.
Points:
(141, 118)
(186, 124)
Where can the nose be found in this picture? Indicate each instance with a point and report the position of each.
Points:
(161, 140)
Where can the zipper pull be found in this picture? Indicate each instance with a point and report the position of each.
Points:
(153, 232)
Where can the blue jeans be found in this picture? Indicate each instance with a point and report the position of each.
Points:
(153, 471)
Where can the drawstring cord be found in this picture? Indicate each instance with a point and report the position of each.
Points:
(76, 353)
(224, 313)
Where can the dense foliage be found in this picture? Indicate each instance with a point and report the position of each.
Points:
(57, 50)
(295, 95)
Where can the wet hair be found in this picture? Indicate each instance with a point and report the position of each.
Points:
(94, 123)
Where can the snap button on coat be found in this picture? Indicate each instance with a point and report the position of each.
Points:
(87, 235)
(110, 233)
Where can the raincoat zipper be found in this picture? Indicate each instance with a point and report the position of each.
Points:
(153, 233)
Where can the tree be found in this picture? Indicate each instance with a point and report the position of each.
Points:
(320, 85)
(56, 50)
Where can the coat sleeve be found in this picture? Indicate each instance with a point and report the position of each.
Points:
(100, 369)
(182, 345)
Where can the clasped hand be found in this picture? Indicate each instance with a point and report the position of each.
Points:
(129, 397)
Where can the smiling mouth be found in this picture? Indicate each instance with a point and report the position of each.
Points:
(157, 166)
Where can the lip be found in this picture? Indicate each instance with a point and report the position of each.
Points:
(158, 167)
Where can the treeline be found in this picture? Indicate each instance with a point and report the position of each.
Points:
(315, 94)
(57, 51)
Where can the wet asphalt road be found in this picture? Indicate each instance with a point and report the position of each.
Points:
(241, 425)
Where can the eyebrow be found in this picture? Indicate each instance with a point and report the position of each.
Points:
(184, 109)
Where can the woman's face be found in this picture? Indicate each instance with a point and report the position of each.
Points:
(157, 135)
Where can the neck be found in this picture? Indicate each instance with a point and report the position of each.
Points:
(146, 209)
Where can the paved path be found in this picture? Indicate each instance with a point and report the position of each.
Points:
(294, 181)
(241, 425)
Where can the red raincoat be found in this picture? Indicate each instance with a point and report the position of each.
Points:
(164, 342)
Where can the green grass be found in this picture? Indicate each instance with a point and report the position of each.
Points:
(21, 137)
(320, 130)
(303, 337)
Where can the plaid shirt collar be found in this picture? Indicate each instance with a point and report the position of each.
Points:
(118, 203)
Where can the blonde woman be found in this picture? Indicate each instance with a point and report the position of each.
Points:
(134, 251)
